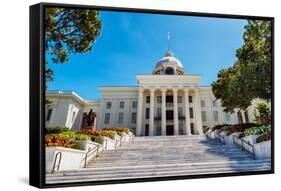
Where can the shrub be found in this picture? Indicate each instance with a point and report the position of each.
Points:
(107, 133)
(119, 130)
(57, 130)
(82, 137)
(58, 141)
(264, 137)
(263, 109)
(97, 139)
(264, 116)
(255, 131)
(68, 135)
(76, 145)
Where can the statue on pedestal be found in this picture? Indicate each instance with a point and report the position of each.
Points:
(89, 120)
(90, 117)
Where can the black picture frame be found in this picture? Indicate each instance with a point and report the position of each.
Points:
(37, 94)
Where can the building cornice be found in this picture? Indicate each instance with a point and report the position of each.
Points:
(72, 95)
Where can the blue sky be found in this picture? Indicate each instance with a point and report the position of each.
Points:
(131, 43)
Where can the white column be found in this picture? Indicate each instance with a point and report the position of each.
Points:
(176, 116)
(187, 115)
(101, 115)
(198, 116)
(163, 112)
(151, 113)
(139, 115)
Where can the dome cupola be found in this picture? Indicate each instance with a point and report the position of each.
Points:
(168, 65)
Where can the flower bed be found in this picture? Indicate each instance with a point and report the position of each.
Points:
(104, 133)
(257, 136)
(240, 127)
(264, 137)
(64, 138)
(255, 131)
(119, 130)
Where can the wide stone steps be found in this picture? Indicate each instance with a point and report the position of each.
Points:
(215, 164)
(149, 171)
(147, 157)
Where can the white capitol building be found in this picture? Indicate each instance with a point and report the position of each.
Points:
(167, 102)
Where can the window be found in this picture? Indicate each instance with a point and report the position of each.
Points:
(180, 111)
(191, 112)
(181, 129)
(159, 99)
(134, 118)
(108, 105)
(169, 99)
(240, 118)
(159, 111)
(49, 114)
(215, 103)
(179, 99)
(147, 99)
(147, 113)
(121, 104)
(204, 116)
(106, 118)
(203, 103)
(227, 116)
(120, 118)
(190, 99)
(216, 116)
(73, 116)
(135, 104)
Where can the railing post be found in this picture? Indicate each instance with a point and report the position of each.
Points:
(54, 165)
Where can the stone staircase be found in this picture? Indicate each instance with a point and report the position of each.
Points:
(162, 156)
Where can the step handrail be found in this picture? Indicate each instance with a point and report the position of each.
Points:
(58, 154)
(90, 150)
(242, 146)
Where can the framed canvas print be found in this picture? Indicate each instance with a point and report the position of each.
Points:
(123, 95)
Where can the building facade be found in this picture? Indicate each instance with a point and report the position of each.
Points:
(168, 102)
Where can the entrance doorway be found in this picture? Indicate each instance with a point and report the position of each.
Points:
(170, 130)
(146, 131)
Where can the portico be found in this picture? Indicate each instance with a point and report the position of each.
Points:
(179, 106)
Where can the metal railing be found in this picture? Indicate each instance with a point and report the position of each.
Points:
(90, 150)
(105, 143)
(57, 167)
(242, 145)
(115, 145)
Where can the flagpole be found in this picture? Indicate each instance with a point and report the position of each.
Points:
(168, 41)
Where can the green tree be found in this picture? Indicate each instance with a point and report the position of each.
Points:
(255, 58)
(69, 31)
(250, 76)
